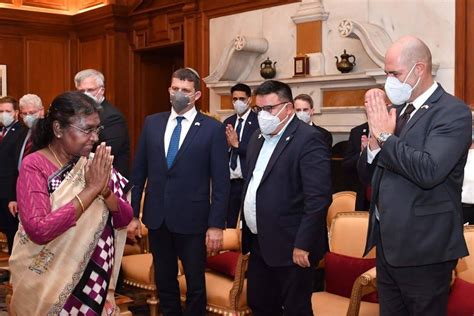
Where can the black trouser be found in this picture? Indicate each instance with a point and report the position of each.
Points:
(418, 290)
(235, 201)
(274, 291)
(166, 247)
(8, 223)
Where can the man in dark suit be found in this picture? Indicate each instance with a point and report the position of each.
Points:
(304, 107)
(183, 156)
(358, 139)
(12, 134)
(239, 128)
(420, 148)
(115, 132)
(287, 192)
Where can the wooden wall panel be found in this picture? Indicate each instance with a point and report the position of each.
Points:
(47, 67)
(464, 63)
(91, 54)
(354, 97)
(11, 54)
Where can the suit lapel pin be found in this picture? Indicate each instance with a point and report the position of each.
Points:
(288, 138)
(197, 124)
(250, 123)
(260, 136)
(426, 106)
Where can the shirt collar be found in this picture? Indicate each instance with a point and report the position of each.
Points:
(422, 98)
(245, 116)
(189, 115)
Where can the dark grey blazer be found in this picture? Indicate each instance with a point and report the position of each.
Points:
(417, 183)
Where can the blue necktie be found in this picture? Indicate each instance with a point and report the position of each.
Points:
(174, 142)
(233, 154)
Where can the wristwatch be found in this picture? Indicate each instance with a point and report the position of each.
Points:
(382, 138)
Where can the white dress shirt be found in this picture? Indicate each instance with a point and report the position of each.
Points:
(417, 104)
(237, 173)
(189, 117)
(250, 201)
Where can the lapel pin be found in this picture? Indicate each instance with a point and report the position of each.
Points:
(250, 123)
(288, 138)
(425, 106)
(260, 136)
(197, 124)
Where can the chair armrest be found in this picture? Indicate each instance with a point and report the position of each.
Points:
(365, 284)
(238, 284)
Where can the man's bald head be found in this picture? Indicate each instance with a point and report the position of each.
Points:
(411, 50)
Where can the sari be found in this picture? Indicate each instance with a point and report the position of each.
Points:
(73, 273)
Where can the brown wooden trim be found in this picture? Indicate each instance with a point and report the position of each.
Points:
(460, 49)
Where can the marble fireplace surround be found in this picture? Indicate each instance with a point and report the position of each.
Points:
(244, 54)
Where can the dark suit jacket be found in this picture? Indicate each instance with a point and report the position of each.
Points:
(326, 135)
(9, 152)
(115, 134)
(181, 196)
(293, 196)
(417, 185)
(251, 125)
(349, 163)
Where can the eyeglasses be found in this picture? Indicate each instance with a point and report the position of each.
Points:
(268, 108)
(89, 131)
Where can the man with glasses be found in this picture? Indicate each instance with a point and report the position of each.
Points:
(417, 151)
(239, 128)
(182, 157)
(115, 132)
(12, 134)
(286, 197)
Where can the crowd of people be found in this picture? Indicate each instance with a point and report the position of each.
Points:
(267, 169)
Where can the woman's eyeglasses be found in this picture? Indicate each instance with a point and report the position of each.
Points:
(267, 108)
(88, 131)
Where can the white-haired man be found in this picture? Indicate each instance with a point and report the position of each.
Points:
(115, 132)
(31, 109)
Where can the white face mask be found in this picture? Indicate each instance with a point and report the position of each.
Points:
(6, 118)
(240, 106)
(399, 92)
(304, 116)
(96, 97)
(269, 123)
(30, 119)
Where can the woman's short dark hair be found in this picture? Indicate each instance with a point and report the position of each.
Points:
(63, 108)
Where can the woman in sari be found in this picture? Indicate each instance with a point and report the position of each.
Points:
(68, 247)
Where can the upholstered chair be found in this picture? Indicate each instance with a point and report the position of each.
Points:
(348, 276)
(343, 201)
(226, 285)
(460, 298)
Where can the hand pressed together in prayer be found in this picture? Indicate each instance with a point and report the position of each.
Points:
(214, 240)
(231, 134)
(98, 169)
(134, 229)
(379, 118)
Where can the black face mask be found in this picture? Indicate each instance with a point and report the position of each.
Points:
(179, 101)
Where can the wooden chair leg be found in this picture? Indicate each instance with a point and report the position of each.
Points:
(152, 302)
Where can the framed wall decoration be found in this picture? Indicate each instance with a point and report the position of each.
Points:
(3, 80)
(301, 65)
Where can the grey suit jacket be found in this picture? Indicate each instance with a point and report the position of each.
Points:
(417, 182)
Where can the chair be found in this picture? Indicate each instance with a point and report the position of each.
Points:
(465, 267)
(347, 237)
(226, 295)
(343, 201)
(137, 267)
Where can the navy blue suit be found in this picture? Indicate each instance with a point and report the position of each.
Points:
(178, 208)
(236, 185)
(291, 207)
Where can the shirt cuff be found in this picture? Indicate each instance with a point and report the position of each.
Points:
(371, 154)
